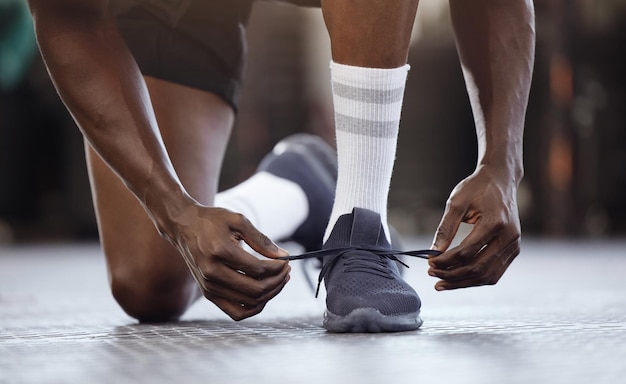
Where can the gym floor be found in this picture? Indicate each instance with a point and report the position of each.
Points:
(557, 316)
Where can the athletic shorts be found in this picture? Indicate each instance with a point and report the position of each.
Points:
(196, 43)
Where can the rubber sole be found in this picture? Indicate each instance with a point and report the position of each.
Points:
(370, 320)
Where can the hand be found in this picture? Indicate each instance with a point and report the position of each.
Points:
(489, 202)
(237, 282)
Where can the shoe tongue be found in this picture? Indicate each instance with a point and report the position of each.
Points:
(366, 227)
(362, 227)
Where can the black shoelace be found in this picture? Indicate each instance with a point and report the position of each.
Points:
(378, 267)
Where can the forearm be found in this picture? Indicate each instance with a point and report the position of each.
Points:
(100, 84)
(496, 44)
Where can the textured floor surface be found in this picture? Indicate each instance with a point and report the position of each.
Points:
(558, 316)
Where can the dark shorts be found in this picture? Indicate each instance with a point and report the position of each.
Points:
(203, 47)
(197, 43)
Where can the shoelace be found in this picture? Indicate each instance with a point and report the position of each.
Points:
(361, 265)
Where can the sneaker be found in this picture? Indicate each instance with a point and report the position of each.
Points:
(311, 266)
(364, 289)
(311, 163)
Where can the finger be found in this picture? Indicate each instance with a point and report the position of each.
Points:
(255, 239)
(482, 233)
(449, 225)
(482, 265)
(242, 300)
(490, 279)
(240, 260)
(239, 311)
(488, 268)
(233, 285)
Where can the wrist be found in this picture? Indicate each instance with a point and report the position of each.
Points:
(508, 172)
(503, 161)
(169, 207)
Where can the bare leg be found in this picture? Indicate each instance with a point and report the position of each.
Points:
(148, 277)
(370, 33)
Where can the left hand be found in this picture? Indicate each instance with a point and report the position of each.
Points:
(488, 200)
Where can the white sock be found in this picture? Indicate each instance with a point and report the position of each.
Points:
(274, 205)
(368, 103)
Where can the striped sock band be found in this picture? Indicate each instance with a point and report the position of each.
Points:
(368, 104)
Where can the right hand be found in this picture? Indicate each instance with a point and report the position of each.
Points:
(488, 201)
(237, 282)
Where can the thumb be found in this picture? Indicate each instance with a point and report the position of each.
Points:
(258, 241)
(447, 228)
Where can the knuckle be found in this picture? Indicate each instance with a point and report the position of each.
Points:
(256, 292)
(511, 251)
(454, 206)
(492, 280)
(466, 254)
(240, 220)
(478, 269)
(260, 270)
(252, 302)
(262, 291)
(515, 251)
(206, 273)
(260, 301)
(498, 224)
(207, 293)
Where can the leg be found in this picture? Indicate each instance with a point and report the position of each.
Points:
(369, 41)
(148, 277)
(370, 33)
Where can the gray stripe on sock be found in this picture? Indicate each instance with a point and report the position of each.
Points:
(368, 95)
(384, 129)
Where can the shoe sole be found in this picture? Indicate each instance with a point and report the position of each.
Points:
(370, 320)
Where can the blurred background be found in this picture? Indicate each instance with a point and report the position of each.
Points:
(575, 141)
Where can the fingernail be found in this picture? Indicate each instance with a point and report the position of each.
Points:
(431, 273)
(440, 288)
(282, 252)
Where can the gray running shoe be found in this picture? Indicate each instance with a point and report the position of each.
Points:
(364, 289)
(310, 162)
(312, 266)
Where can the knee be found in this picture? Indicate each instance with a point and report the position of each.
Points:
(152, 298)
